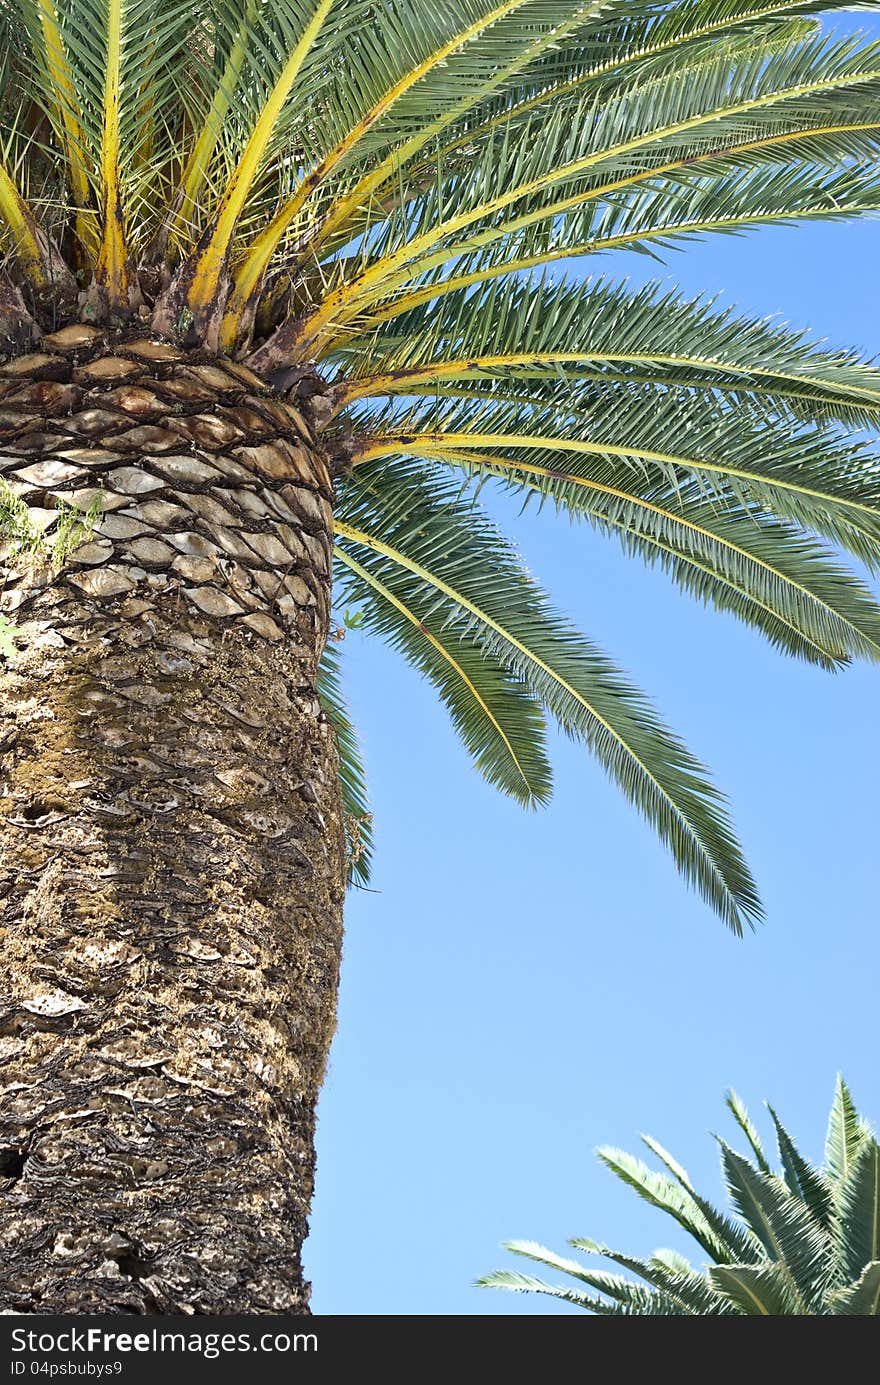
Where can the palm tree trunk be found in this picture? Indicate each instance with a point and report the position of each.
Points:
(172, 858)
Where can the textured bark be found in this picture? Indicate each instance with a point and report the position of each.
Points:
(171, 838)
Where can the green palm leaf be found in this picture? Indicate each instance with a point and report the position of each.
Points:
(477, 586)
(677, 1288)
(801, 1177)
(789, 1234)
(857, 1223)
(559, 162)
(498, 721)
(541, 330)
(737, 1109)
(845, 1135)
(352, 775)
(763, 1291)
(803, 476)
(622, 1291)
(862, 1299)
(788, 1253)
(515, 1282)
(720, 1237)
(675, 1282)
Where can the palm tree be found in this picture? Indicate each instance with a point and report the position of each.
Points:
(277, 289)
(805, 1241)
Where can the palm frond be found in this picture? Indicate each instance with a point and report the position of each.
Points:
(494, 601)
(41, 19)
(862, 1299)
(27, 249)
(447, 82)
(101, 63)
(845, 1135)
(782, 1223)
(352, 774)
(807, 477)
(650, 216)
(676, 1288)
(497, 719)
(789, 1253)
(536, 330)
(757, 1290)
(205, 273)
(801, 1177)
(738, 1110)
(857, 1224)
(719, 1237)
(654, 129)
(515, 1282)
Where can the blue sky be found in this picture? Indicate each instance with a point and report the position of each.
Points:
(524, 987)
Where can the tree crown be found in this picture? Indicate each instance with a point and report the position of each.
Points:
(366, 199)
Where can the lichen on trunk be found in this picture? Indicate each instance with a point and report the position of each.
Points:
(172, 861)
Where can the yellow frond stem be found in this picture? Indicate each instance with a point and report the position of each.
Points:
(23, 231)
(475, 367)
(210, 263)
(112, 270)
(257, 260)
(616, 65)
(416, 257)
(440, 443)
(195, 172)
(67, 115)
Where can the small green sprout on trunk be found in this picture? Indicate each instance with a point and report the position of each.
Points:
(41, 546)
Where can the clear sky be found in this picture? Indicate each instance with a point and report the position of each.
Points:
(524, 987)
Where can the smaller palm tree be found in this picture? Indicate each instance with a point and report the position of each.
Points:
(805, 1241)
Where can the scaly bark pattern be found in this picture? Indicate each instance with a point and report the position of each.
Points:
(171, 839)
